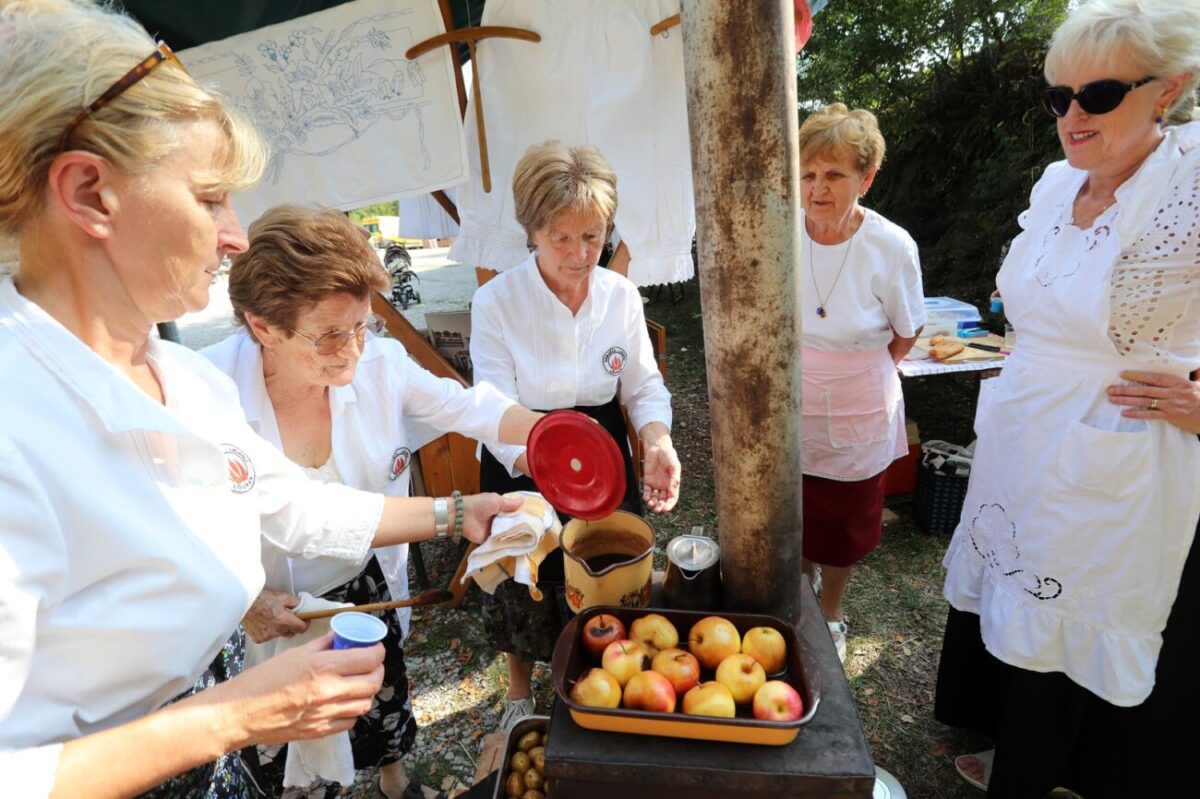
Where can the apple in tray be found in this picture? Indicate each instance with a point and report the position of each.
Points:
(767, 646)
(681, 668)
(600, 631)
(712, 639)
(649, 690)
(709, 699)
(597, 688)
(623, 659)
(654, 632)
(742, 675)
(777, 701)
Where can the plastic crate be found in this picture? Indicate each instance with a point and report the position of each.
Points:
(938, 500)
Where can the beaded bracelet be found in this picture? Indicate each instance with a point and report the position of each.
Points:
(457, 523)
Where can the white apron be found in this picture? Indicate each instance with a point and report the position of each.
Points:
(1077, 521)
(853, 413)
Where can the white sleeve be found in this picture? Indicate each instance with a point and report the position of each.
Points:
(641, 386)
(901, 292)
(445, 405)
(493, 364)
(32, 562)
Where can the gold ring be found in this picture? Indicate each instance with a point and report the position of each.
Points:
(1154, 404)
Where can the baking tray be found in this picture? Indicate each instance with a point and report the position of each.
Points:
(523, 725)
(570, 662)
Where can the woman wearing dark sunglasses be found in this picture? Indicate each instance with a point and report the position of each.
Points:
(134, 496)
(350, 408)
(1071, 636)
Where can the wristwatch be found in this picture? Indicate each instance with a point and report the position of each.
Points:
(441, 517)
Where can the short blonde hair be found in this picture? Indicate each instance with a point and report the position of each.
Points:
(56, 58)
(297, 257)
(552, 178)
(1162, 37)
(838, 131)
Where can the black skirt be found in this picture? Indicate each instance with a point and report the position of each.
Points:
(1051, 732)
(513, 620)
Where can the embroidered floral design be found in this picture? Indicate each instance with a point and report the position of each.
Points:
(1064, 249)
(994, 538)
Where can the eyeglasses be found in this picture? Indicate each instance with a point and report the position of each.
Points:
(332, 342)
(161, 53)
(1097, 97)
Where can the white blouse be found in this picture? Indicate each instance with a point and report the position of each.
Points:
(526, 343)
(129, 533)
(879, 288)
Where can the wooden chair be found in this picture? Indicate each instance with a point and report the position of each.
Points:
(658, 343)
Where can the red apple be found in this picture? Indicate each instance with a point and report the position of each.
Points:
(649, 690)
(712, 639)
(742, 675)
(600, 631)
(681, 668)
(654, 632)
(777, 701)
(767, 646)
(623, 659)
(597, 688)
(709, 699)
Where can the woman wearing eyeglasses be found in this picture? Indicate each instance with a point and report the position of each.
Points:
(348, 408)
(134, 496)
(1069, 557)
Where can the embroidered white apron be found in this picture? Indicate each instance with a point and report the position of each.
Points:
(1077, 521)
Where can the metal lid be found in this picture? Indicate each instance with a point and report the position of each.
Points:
(693, 552)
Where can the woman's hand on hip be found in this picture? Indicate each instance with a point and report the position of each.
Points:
(307, 692)
(660, 474)
(478, 512)
(1163, 397)
(271, 617)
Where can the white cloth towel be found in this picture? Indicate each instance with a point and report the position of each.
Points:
(520, 540)
(329, 758)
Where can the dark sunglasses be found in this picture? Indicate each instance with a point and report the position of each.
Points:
(333, 341)
(1097, 97)
(142, 69)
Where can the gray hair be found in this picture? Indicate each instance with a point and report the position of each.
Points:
(1161, 36)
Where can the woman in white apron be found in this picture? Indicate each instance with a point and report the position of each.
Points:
(1079, 519)
(349, 409)
(862, 306)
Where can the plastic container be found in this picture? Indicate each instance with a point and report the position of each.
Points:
(938, 500)
(948, 309)
(571, 662)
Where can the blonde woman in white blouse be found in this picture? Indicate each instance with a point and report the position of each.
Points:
(1079, 518)
(556, 332)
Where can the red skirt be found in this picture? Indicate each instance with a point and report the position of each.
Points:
(842, 520)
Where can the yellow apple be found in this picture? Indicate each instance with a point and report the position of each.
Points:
(767, 646)
(712, 639)
(742, 675)
(777, 701)
(623, 659)
(681, 668)
(709, 699)
(649, 690)
(597, 688)
(654, 632)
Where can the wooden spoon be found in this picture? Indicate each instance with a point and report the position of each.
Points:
(433, 596)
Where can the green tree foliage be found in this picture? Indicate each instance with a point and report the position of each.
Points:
(956, 86)
(378, 209)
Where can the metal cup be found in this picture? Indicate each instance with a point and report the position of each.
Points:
(693, 578)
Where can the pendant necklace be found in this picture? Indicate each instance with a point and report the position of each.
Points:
(812, 271)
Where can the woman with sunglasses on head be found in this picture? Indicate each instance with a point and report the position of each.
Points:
(133, 494)
(348, 408)
(1067, 570)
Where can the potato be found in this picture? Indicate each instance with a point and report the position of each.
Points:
(529, 740)
(514, 786)
(539, 749)
(539, 761)
(520, 762)
(534, 780)
(533, 795)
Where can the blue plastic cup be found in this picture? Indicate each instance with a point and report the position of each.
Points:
(354, 629)
(997, 305)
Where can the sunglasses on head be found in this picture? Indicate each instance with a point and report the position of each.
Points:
(332, 342)
(161, 54)
(1097, 97)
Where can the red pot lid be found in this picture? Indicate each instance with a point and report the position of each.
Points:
(804, 24)
(576, 465)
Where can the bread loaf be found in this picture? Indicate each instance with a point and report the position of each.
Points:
(945, 349)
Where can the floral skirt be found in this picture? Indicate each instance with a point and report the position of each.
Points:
(388, 729)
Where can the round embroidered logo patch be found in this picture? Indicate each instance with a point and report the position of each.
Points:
(614, 360)
(400, 459)
(239, 468)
